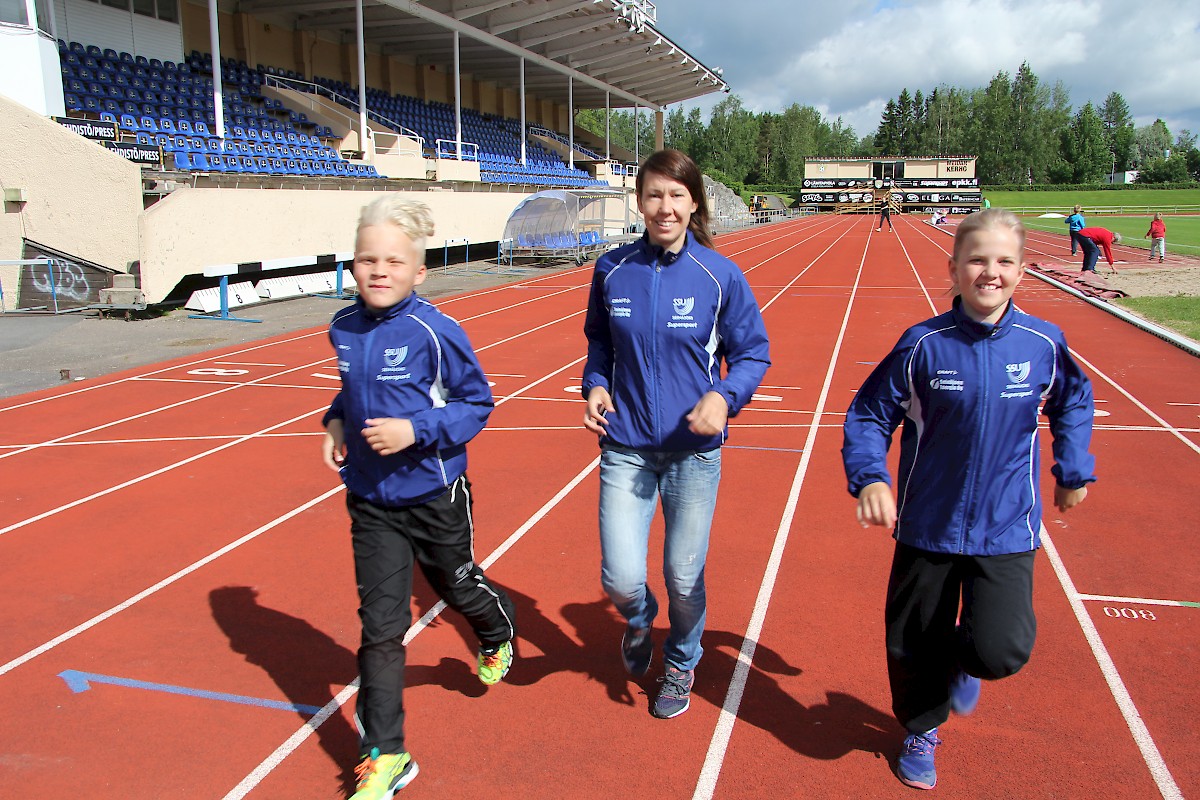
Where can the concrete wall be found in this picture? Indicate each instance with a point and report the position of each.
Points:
(82, 199)
(194, 228)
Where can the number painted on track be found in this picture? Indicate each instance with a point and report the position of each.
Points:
(1129, 613)
(217, 371)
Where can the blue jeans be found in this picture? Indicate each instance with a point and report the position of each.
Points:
(1091, 254)
(631, 484)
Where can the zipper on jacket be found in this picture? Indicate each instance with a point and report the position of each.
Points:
(973, 468)
(655, 405)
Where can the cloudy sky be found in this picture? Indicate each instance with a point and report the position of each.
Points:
(847, 58)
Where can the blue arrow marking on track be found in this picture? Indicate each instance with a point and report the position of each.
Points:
(81, 682)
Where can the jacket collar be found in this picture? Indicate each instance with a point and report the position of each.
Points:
(665, 257)
(982, 330)
(403, 307)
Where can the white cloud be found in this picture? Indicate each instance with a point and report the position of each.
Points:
(848, 58)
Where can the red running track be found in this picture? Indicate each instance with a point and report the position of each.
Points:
(178, 589)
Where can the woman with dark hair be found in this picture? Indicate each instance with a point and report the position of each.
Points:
(663, 314)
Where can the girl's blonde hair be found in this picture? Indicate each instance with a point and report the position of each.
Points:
(988, 218)
(1078, 209)
(411, 216)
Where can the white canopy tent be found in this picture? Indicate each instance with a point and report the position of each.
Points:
(569, 223)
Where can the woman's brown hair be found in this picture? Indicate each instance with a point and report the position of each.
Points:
(678, 166)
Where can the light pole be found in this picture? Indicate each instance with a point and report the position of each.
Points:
(1112, 176)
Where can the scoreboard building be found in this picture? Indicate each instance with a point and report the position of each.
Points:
(909, 185)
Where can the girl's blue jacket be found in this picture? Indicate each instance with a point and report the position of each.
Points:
(968, 394)
(410, 362)
(1075, 222)
(658, 326)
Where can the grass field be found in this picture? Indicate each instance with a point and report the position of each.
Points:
(1145, 201)
(1180, 314)
(1183, 233)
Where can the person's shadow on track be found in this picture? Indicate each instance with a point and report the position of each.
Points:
(826, 731)
(309, 667)
(302, 661)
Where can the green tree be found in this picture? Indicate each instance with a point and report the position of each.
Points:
(732, 131)
(991, 132)
(1118, 129)
(887, 137)
(1084, 149)
(1166, 170)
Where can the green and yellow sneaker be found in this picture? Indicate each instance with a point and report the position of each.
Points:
(381, 776)
(494, 664)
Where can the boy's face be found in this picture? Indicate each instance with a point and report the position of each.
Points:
(986, 270)
(386, 265)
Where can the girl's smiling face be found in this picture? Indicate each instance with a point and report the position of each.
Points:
(986, 268)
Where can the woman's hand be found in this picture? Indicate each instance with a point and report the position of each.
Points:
(708, 417)
(599, 404)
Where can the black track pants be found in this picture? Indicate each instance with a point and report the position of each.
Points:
(928, 639)
(438, 535)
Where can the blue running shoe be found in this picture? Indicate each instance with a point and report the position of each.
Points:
(675, 696)
(914, 767)
(636, 650)
(964, 693)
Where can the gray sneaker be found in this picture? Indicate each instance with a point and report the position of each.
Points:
(675, 696)
(636, 650)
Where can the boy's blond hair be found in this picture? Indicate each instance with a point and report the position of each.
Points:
(411, 216)
(989, 218)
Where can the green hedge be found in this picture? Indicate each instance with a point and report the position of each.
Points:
(1085, 187)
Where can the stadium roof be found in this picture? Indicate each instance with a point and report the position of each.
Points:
(611, 46)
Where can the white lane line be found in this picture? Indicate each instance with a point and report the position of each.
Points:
(159, 471)
(179, 404)
(1133, 719)
(1138, 601)
(329, 709)
(706, 783)
(165, 582)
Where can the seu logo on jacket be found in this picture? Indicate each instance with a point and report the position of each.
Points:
(682, 316)
(393, 365)
(1018, 380)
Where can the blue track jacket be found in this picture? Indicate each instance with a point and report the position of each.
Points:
(1075, 222)
(658, 326)
(968, 396)
(411, 362)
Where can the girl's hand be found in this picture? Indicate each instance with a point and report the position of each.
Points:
(1065, 499)
(333, 446)
(876, 505)
(599, 403)
(389, 435)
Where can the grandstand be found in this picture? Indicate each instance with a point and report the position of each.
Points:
(150, 146)
(909, 185)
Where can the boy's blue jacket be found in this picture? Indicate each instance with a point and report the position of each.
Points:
(411, 362)
(1075, 222)
(658, 326)
(968, 396)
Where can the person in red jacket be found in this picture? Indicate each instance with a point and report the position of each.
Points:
(1157, 236)
(1092, 239)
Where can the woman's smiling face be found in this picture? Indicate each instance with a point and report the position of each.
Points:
(667, 206)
